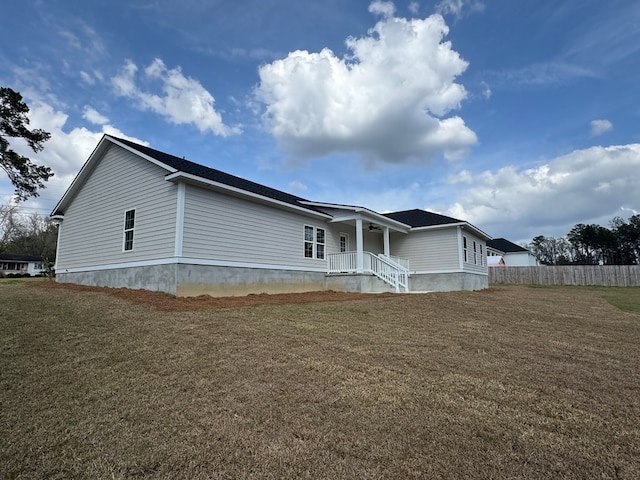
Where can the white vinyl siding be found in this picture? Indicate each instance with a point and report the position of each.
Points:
(91, 233)
(231, 229)
(431, 250)
(476, 252)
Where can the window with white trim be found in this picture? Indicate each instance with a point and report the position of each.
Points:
(129, 226)
(314, 242)
(320, 243)
(475, 253)
(464, 249)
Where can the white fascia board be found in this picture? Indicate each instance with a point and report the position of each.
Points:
(142, 155)
(90, 164)
(364, 213)
(79, 178)
(463, 225)
(194, 179)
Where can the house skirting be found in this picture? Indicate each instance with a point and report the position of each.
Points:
(447, 282)
(188, 280)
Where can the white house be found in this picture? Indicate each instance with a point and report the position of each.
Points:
(20, 264)
(139, 218)
(512, 254)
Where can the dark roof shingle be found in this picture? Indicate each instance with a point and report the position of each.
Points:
(212, 174)
(421, 218)
(504, 245)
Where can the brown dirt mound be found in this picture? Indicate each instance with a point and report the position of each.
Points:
(169, 303)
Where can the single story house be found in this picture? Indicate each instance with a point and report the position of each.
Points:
(512, 254)
(20, 264)
(140, 218)
(494, 260)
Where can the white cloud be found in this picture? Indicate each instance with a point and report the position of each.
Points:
(94, 116)
(414, 7)
(598, 127)
(87, 78)
(459, 8)
(486, 91)
(297, 186)
(386, 101)
(386, 9)
(183, 101)
(65, 152)
(584, 186)
(542, 74)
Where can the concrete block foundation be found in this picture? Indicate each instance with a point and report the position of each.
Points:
(186, 280)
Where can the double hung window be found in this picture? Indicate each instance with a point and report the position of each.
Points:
(314, 242)
(129, 226)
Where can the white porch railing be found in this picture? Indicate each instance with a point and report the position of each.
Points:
(392, 270)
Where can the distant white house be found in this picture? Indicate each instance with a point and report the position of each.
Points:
(20, 264)
(494, 260)
(511, 254)
(140, 218)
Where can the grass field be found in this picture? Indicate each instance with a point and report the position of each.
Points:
(511, 382)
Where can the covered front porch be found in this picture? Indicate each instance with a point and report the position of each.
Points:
(372, 252)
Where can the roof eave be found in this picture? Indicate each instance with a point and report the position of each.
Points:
(464, 225)
(378, 217)
(88, 166)
(179, 176)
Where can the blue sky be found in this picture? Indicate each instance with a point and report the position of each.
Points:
(521, 117)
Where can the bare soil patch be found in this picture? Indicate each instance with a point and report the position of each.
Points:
(169, 303)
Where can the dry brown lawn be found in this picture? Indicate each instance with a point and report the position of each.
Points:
(511, 382)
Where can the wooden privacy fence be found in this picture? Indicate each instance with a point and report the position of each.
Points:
(606, 275)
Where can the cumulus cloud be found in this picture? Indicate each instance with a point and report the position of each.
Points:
(93, 116)
(584, 186)
(183, 100)
(386, 101)
(598, 127)
(65, 152)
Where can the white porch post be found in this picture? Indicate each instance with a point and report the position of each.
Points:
(359, 246)
(386, 242)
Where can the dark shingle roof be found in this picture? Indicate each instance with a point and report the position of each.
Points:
(421, 218)
(11, 257)
(505, 245)
(208, 173)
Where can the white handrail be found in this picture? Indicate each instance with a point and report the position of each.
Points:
(392, 270)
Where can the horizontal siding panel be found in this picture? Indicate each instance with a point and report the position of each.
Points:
(433, 250)
(481, 265)
(227, 228)
(91, 233)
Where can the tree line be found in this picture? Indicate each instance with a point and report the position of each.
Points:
(27, 234)
(592, 245)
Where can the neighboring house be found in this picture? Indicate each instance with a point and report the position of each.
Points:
(139, 218)
(20, 264)
(495, 260)
(512, 254)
